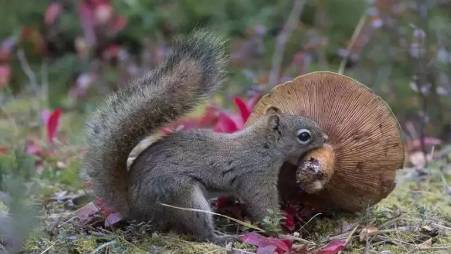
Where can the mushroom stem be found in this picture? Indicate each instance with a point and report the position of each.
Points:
(315, 169)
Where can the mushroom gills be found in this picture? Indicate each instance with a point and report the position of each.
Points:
(358, 169)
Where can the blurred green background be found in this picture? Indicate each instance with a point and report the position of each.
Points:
(80, 50)
(59, 59)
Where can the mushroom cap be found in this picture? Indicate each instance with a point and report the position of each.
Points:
(362, 130)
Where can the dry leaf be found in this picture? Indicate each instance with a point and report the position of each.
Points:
(367, 232)
(425, 245)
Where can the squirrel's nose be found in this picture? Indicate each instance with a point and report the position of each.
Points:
(325, 137)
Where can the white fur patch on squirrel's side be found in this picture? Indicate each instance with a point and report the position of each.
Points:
(141, 146)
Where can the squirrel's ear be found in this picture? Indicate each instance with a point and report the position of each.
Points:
(272, 110)
(273, 117)
(274, 121)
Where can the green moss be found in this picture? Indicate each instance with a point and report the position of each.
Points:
(85, 245)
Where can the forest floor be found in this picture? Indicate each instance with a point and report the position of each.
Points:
(46, 180)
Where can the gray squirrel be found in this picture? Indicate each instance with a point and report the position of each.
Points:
(178, 169)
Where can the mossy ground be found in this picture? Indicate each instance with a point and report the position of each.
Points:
(415, 218)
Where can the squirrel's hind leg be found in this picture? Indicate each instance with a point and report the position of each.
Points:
(199, 224)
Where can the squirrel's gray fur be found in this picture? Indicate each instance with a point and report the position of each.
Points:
(178, 169)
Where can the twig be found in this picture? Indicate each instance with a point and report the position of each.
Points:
(27, 69)
(44, 82)
(103, 246)
(302, 240)
(48, 248)
(354, 37)
(234, 250)
(391, 221)
(314, 216)
(245, 224)
(367, 245)
(348, 239)
(282, 39)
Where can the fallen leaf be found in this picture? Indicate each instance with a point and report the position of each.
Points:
(5, 74)
(418, 159)
(33, 147)
(53, 124)
(300, 249)
(228, 206)
(209, 117)
(425, 245)
(429, 230)
(245, 111)
(112, 219)
(3, 150)
(52, 13)
(270, 249)
(103, 13)
(111, 52)
(103, 207)
(5, 54)
(289, 222)
(265, 244)
(332, 247)
(416, 144)
(226, 124)
(367, 232)
(87, 212)
(118, 23)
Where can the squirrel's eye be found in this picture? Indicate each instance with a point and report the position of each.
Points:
(304, 136)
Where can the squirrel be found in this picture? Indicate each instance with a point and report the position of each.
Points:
(178, 169)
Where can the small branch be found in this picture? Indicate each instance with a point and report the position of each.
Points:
(45, 82)
(245, 224)
(103, 246)
(294, 238)
(48, 248)
(282, 38)
(348, 239)
(27, 69)
(354, 37)
(313, 217)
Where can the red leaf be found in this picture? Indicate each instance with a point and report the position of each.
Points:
(416, 144)
(32, 147)
(223, 201)
(289, 221)
(245, 111)
(87, 212)
(118, 24)
(5, 54)
(112, 219)
(103, 13)
(111, 51)
(265, 244)
(5, 73)
(228, 206)
(333, 247)
(53, 124)
(102, 205)
(52, 13)
(209, 118)
(252, 101)
(270, 249)
(87, 20)
(225, 124)
(82, 84)
(3, 150)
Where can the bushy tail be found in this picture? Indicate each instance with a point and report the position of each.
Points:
(192, 70)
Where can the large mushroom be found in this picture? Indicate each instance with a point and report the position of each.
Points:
(358, 166)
